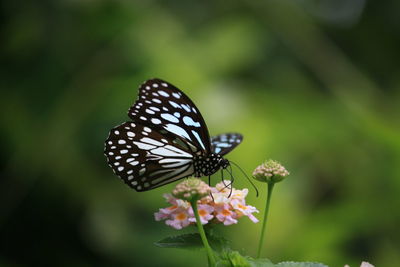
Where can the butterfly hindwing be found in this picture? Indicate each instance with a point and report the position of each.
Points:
(146, 158)
(164, 106)
(224, 143)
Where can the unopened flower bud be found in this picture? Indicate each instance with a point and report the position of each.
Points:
(191, 189)
(270, 171)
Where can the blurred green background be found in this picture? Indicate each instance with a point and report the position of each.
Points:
(312, 84)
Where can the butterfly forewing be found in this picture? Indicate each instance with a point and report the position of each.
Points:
(224, 143)
(146, 158)
(163, 106)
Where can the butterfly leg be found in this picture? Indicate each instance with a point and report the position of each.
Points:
(222, 177)
(209, 183)
(231, 183)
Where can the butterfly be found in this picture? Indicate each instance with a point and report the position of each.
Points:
(166, 140)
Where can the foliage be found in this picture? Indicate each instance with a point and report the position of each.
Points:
(314, 83)
(227, 257)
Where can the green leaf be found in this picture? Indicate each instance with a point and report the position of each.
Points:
(186, 241)
(223, 263)
(238, 260)
(300, 264)
(230, 258)
(218, 243)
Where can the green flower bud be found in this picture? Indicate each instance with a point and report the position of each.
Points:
(191, 189)
(270, 171)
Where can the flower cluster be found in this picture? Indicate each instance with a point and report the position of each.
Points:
(270, 171)
(191, 189)
(363, 264)
(226, 205)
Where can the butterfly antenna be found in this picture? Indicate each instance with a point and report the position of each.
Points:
(247, 177)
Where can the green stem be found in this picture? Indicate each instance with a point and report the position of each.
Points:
(261, 243)
(210, 253)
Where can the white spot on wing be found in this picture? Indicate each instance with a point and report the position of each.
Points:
(151, 141)
(170, 151)
(155, 108)
(155, 121)
(163, 93)
(177, 130)
(169, 117)
(143, 146)
(186, 107)
(175, 105)
(189, 122)
(198, 139)
(175, 163)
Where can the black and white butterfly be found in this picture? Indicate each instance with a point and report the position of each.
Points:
(166, 140)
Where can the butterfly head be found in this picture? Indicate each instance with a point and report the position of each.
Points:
(219, 161)
(224, 163)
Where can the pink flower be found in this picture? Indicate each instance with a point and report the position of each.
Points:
(177, 205)
(179, 220)
(363, 264)
(165, 213)
(205, 213)
(366, 264)
(227, 205)
(240, 194)
(243, 209)
(225, 214)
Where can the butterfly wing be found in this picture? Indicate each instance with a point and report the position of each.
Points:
(163, 106)
(224, 143)
(146, 158)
